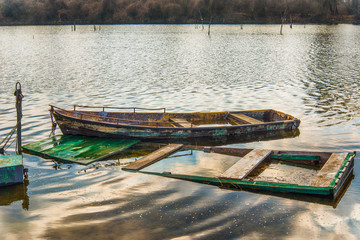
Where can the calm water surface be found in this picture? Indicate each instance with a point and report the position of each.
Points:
(310, 72)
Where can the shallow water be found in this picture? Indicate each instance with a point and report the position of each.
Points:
(311, 72)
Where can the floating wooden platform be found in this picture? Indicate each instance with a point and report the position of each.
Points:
(11, 170)
(78, 149)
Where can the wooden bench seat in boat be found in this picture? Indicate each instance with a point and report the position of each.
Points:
(153, 157)
(239, 117)
(327, 173)
(246, 164)
(182, 122)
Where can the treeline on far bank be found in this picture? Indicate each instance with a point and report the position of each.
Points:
(176, 11)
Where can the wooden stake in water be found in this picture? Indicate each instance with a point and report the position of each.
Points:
(18, 105)
(209, 26)
(202, 20)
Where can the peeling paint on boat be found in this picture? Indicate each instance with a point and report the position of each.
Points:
(160, 126)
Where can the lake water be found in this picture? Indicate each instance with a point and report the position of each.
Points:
(311, 72)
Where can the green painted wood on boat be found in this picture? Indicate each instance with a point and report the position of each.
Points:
(10, 160)
(78, 149)
(295, 157)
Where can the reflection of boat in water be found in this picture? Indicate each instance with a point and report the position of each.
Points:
(227, 140)
(15, 193)
(165, 125)
(310, 173)
(85, 150)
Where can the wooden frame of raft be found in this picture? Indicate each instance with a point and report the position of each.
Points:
(329, 180)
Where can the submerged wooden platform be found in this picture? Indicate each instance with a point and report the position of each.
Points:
(78, 149)
(11, 170)
(312, 173)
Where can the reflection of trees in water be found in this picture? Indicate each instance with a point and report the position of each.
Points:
(332, 79)
(180, 11)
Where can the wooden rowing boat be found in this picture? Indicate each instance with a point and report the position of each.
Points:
(165, 125)
(315, 173)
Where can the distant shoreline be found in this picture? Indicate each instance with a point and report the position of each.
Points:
(98, 12)
(354, 22)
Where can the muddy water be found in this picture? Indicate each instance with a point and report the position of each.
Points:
(311, 72)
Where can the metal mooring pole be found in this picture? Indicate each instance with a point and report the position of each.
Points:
(18, 105)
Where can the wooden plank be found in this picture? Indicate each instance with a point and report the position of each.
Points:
(243, 118)
(182, 122)
(327, 173)
(153, 157)
(246, 164)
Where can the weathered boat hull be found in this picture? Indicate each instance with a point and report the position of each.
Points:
(101, 128)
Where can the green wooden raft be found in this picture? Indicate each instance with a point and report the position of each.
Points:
(78, 149)
(314, 173)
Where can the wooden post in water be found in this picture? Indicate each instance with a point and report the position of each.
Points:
(18, 105)
(209, 26)
(202, 20)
